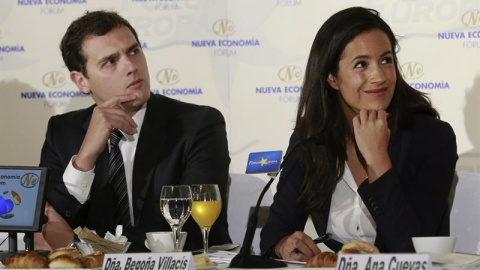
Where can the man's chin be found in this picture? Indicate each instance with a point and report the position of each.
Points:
(133, 106)
(142, 96)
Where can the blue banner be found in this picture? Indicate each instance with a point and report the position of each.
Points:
(264, 162)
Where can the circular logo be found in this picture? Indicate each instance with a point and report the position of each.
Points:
(53, 79)
(471, 18)
(168, 76)
(29, 180)
(290, 74)
(412, 70)
(223, 27)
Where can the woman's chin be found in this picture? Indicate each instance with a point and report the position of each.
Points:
(377, 108)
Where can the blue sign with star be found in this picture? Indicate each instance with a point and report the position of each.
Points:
(264, 162)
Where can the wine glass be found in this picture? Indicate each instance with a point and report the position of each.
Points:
(206, 207)
(176, 205)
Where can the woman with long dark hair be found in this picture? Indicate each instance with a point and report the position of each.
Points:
(385, 168)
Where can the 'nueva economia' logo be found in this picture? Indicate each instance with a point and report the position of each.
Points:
(223, 27)
(29, 180)
(412, 70)
(290, 74)
(471, 18)
(168, 76)
(53, 79)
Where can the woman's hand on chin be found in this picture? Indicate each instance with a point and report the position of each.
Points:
(372, 136)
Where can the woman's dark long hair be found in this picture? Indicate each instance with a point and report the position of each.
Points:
(320, 112)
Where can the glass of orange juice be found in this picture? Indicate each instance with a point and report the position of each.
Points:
(206, 206)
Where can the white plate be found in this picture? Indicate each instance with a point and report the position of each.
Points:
(455, 260)
(225, 247)
(291, 262)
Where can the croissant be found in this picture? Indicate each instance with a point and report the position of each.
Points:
(65, 261)
(358, 247)
(28, 259)
(92, 260)
(323, 259)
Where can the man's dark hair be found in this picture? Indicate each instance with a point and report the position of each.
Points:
(96, 23)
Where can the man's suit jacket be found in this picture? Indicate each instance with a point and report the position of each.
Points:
(179, 143)
(411, 199)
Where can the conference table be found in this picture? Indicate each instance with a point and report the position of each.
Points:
(448, 261)
(435, 266)
(221, 260)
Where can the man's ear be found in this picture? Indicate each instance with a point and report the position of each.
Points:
(332, 81)
(81, 81)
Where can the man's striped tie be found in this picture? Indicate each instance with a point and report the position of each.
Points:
(117, 180)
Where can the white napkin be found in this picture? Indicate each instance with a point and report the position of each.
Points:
(221, 257)
(93, 243)
(118, 237)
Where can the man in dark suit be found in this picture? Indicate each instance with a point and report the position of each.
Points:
(165, 142)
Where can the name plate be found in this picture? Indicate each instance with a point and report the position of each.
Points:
(384, 262)
(158, 261)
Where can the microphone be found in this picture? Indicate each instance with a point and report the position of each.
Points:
(244, 259)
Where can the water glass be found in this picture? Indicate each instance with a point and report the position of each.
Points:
(176, 205)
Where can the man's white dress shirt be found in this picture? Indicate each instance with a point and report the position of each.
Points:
(78, 183)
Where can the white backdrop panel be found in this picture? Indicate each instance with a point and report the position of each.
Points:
(245, 57)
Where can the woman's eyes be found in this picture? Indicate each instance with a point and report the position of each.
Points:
(362, 64)
(387, 60)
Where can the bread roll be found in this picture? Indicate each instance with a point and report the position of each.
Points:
(72, 252)
(201, 260)
(358, 247)
(323, 259)
(65, 261)
(92, 260)
(28, 259)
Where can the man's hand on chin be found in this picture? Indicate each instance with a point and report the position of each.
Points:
(108, 116)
